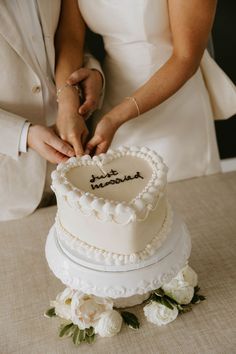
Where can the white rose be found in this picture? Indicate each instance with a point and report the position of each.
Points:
(190, 276)
(109, 324)
(181, 287)
(183, 295)
(159, 314)
(62, 303)
(87, 309)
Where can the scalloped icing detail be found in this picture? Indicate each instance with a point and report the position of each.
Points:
(123, 213)
(110, 258)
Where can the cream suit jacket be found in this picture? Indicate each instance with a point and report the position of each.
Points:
(22, 177)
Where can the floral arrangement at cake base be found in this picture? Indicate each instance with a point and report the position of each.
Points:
(86, 316)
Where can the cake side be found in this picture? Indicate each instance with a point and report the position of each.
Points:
(83, 248)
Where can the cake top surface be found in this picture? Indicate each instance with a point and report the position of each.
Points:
(122, 185)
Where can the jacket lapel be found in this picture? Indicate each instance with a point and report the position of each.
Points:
(49, 13)
(9, 31)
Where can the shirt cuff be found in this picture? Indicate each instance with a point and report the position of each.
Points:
(23, 137)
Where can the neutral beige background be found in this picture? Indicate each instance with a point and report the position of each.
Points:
(207, 204)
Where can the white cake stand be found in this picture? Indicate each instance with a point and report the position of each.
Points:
(123, 283)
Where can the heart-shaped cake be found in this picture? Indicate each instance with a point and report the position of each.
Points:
(113, 207)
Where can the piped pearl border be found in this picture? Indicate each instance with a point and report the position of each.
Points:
(110, 258)
(104, 209)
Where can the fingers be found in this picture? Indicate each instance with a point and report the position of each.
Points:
(92, 143)
(58, 144)
(102, 148)
(78, 76)
(77, 145)
(90, 104)
(84, 137)
(53, 155)
(96, 144)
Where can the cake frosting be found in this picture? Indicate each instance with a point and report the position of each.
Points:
(113, 207)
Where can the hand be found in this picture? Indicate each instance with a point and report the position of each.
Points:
(91, 82)
(45, 141)
(72, 129)
(103, 136)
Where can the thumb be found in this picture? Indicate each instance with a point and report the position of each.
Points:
(77, 76)
(92, 143)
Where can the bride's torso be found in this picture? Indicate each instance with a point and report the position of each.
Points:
(136, 36)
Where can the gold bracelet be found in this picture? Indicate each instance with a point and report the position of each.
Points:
(135, 102)
(60, 89)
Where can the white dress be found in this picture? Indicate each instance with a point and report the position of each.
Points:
(137, 41)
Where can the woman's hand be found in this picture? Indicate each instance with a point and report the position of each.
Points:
(71, 128)
(103, 136)
(45, 141)
(91, 83)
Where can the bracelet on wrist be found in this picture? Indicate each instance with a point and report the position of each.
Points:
(133, 99)
(62, 88)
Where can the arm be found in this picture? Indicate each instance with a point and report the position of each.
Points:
(190, 22)
(69, 43)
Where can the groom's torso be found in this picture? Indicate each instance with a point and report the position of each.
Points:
(22, 179)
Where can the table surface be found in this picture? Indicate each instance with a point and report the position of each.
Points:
(208, 206)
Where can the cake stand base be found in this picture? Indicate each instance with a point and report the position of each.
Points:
(122, 284)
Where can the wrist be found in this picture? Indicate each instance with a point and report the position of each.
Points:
(69, 103)
(114, 120)
(122, 113)
(68, 95)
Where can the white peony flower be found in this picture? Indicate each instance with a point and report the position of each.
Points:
(62, 303)
(181, 287)
(109, 324)
(159, 314)
(87, 309)
(190, 276)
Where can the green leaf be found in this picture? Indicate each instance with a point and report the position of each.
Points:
(202, 297)
(90, 339)
(197, 298)
(70, 331)
(159, 292)
(166, 303)
(156, 298)
(172, 301)
(163, 301)
(149, 299)
(64, 331)
(196, 289)
(185, 308)
(50, 312)
(76, 336)
(82, 335)
(130, 319)
(90, 331)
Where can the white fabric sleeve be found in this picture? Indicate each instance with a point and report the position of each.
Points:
(10, 132)
(23, 137)
(92, 63)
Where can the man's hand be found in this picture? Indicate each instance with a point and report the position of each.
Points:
(103, 136)
(45, 141)
(91, 82)
(72, 128)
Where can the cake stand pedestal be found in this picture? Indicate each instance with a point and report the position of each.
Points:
(150, 274)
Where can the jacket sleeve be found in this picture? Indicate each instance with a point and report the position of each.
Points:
(11, 126)
(90, 62)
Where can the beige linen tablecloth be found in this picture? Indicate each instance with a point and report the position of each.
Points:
(208, 206)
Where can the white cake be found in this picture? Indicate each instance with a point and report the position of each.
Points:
(113, 207)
